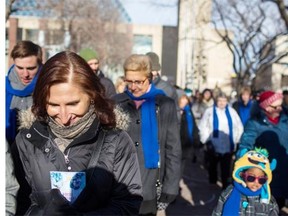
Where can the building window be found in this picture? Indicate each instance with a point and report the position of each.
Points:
(284, 82)
(32, 35)
(55, 37)
(19, 34)
(142, 44)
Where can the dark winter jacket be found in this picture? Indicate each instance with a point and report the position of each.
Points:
(169, 90)
(170, 150)
(260, 132)
(187, 144)
(113, 186)
(253, 207)
(110, 90)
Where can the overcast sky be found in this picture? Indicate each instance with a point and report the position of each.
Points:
(159, 12)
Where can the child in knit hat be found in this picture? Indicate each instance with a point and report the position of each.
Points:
(250, 192)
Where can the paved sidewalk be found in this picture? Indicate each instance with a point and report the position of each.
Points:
(197, 196)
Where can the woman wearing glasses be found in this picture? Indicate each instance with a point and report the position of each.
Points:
(268, 128)
(155, 132)
(250, 192)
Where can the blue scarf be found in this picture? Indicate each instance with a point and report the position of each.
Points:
(188, 115)
(216, 125)
(232, 205)
(244, 111)
(11, 114)
(149, 130)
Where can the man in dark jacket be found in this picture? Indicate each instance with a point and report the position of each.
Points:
(20, 82)
(160, 83)
(91, 57)
(167, 87)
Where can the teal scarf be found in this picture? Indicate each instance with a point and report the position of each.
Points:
(149, 127)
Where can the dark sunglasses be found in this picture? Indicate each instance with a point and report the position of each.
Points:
(261, 179)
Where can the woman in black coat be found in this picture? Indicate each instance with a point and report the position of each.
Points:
(189, 132)
(71, 133)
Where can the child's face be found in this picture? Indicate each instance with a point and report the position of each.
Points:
(258, 175)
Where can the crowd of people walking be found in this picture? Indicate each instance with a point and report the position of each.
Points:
(79, 144)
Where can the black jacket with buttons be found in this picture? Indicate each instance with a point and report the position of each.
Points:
(170, 149)
(113, 187)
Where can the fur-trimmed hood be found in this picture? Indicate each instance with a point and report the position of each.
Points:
(26, 119)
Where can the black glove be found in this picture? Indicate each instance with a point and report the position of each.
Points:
(59, 205)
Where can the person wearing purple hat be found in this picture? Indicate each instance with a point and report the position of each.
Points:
(268, 128)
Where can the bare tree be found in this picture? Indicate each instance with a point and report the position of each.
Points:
(256, 28)
(283, 9)
(95, 24)
(9, 9)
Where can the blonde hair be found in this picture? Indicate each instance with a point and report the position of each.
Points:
(139, 63)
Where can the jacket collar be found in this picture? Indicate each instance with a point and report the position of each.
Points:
(27, 119)
(40, 131)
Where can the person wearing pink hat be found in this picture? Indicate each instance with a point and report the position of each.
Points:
(268, 128)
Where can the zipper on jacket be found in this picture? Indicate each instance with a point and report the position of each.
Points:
(158, 181)
(66, 156)
(67, 161)
(158, 141)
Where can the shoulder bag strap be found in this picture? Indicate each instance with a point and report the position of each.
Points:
(91, 166)
(96, 153)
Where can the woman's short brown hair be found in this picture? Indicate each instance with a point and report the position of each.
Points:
(68, 67)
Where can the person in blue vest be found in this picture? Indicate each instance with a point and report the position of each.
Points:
(20, 82)
(244, 104)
